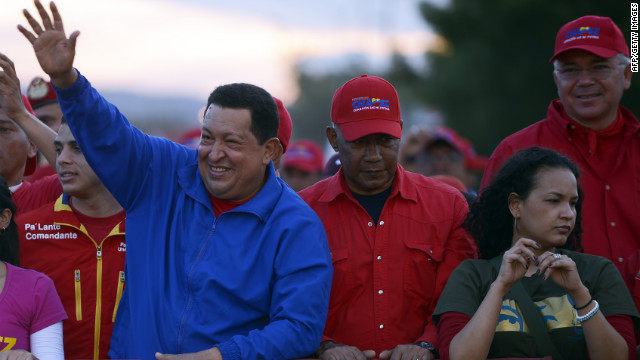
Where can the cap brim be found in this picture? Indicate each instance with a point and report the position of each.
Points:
(355, 130)
(596, 50)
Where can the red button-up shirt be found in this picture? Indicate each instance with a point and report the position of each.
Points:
(388, 278)
(610, 176)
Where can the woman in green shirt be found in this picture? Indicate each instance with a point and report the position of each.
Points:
(527, 226)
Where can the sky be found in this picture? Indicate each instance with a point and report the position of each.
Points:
(188, 47)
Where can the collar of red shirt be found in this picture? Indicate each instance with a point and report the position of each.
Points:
(338, 186)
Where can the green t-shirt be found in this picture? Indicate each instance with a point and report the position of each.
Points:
(470, 282)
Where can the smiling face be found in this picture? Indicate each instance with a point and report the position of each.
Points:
(548, 214)
(76, 176)
(231, 161)
(591, 102)
(369, 163)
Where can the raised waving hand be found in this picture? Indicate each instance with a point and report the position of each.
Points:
(54, 50)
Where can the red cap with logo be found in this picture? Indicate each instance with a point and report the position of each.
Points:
(366, 105)
(305, 155)
(41, 93)
(595, 34)
(286, 125)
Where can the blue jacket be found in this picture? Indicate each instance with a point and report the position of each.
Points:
(253, 282)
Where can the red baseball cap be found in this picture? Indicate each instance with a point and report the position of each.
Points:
(191, 137)
(472, 161)
(304, 155)
(366, 105)
(41, 93)
(286, 125)
(595, 34)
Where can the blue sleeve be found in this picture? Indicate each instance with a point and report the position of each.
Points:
(123, 157)
(299, 301)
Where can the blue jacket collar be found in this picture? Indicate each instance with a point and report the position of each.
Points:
(261, 205)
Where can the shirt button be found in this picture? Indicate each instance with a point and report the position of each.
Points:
(613, 224)
(379, 257)
(620, 259)
(380, 292)
(381, 326)
(381, 223)
(607, 187)
(370, 224)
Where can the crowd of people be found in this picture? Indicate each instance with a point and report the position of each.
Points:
(237, 243)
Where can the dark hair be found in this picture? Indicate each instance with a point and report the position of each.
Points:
(264, 111)
(489, 220)
(9, 248)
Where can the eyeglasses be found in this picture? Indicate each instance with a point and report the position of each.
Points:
(598, 72)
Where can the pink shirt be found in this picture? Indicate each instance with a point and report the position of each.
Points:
(28, 303)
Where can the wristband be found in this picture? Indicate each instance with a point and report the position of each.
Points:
(588, 315)
(585, 305)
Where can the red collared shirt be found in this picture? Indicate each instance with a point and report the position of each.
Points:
(610, 179)
(388, 278)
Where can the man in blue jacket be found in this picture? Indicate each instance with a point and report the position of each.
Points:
(223, 259)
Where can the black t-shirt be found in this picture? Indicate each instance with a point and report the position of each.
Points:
(373, 204)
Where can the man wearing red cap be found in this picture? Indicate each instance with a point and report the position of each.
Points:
(303, 164)
(395, 236)
(44, 102)
(45, 105)
(18, 154)
(444, 152)
(587, 124)
(285, 128)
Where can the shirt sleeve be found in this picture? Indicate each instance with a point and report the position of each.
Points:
(125, 159)
(48, 308)
(47, 343)
(451, 323)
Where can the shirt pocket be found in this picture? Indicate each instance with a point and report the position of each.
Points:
(420, 269)
(119, 290)
(78, 294)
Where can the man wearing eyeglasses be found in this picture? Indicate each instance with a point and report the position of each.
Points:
(592, 70)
